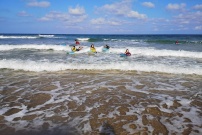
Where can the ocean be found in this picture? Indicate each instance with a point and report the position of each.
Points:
(45, 90)
(150, 53)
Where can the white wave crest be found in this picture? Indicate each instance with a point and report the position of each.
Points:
(134, 50)
(83, 39)
(29, 65)
(46, 36)
(159, 53)
(173, 53)
(18, 37)
(30, 46)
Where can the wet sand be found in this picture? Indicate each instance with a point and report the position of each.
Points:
(95, 102)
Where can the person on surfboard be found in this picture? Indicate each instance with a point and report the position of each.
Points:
(106, 46)
(92, 49)
(74, 49)
(127, 52)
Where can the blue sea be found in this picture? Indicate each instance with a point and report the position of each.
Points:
(150, 53)
(47, 91)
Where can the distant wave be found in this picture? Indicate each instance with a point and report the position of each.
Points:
(83, 39)
(134, 50)
(172, 41)
(46, 36)
(149, 41)
(18, 37)
(124, 66)
(145, 41)
(30, 46)
(25, 36)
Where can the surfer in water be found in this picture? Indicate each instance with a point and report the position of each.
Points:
(106, 46)
(127, 52)
(92, 49)
(77, 42)
(74, 49)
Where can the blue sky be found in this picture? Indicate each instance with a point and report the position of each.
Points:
(101, 16)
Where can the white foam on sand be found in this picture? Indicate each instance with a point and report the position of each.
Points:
(18, 114)
(78, 93)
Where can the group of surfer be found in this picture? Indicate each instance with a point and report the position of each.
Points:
(93, 50)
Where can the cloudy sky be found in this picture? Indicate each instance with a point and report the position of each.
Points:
(101, 16)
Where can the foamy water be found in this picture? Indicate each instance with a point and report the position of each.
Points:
(46, 90)
(87, 102)
(55, 58)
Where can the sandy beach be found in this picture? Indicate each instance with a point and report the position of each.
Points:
(95, 102)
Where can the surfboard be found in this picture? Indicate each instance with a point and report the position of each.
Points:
(123, 55)
(91, 53)
(105, 50)
(71, 52)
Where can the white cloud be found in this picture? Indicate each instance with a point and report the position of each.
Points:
(45, 18)
(74, 15)
(123, 8)
(198, 28)
(187, 20)
(98, 21)
(53, 15)
(155, 29)
(76, 11)
(135, 14)
(119, 8)
(176, 6)
(198, 7)
(23, 13)
(64, 17)
(102, 21)
(148, 4)
(189, 17)
(42, 4)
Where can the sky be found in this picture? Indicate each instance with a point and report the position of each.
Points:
(101, 16)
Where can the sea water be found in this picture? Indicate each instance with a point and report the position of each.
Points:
(150, 53)
(44, 90)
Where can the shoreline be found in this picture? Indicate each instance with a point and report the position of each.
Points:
(108, 71)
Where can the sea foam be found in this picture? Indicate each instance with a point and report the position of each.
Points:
(134, 50)
(28, 65)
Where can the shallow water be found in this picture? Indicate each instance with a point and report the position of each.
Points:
(92, 102)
